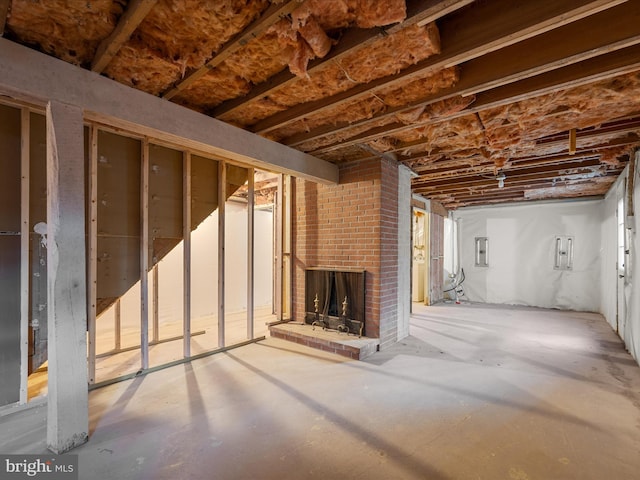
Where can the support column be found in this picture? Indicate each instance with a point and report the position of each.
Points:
(68, 401)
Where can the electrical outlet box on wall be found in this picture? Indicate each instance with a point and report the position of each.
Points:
(563, 258)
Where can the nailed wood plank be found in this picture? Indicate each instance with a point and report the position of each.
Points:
(273, 14)
(418, 12)
(68, 401)
(136, 12)
(569, 44)
(25, 159)
(465, 35)
(27, 75)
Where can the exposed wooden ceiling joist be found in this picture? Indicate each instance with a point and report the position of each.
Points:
(477, 30)
(418, 12)
(589, 71)
(572, 43)
(273, 14)
(136, 12)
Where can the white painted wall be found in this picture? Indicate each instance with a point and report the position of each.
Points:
(629, 326)
(521, 254)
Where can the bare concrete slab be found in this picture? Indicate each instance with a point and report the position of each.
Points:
(476, 392)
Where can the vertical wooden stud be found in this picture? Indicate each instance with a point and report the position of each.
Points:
(250, 245)
(144, 258)
(222, 198)
(156, 305)
(92, 285)
(25, 157)
(186, 235)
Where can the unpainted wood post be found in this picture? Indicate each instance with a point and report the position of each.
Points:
(68, 402)
(250, 245)
(186, 234)
(25, 157)
(222, 198)
(144, 257)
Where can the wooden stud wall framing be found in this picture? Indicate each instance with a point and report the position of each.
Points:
(25, 157)
(144, 258)
(186, 235)
(222, 198)
(92, 280)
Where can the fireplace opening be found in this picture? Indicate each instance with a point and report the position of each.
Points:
(335, 299)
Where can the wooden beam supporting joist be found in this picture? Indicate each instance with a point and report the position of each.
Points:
(35, 77)
(603, 67)
(273, 14)
(418, 12)
(465, 35)
(569, 44)
(68, 401)
(136, 12)
(4, 12)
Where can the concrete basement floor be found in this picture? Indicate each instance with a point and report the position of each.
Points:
(476, 392)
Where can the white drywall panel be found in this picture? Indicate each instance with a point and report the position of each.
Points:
(521, 254)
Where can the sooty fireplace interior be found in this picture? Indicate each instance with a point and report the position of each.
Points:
(334, 299)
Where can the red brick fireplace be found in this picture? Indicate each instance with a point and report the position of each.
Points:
(352, 225)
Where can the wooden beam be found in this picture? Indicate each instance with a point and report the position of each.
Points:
(279, 264)
(68, 400)
(27, 75)
(471, 33)
(606, 66)
(569, 44)
(25, 271)
(222, 200)
(144, 256)
(92, 271)
(136, 12)
(156, 304)
(273, 14)
(510, 182)
(186, 261)
(4, 12)
(250, 251)
(418, 12)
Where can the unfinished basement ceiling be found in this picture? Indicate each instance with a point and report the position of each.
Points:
(544, 93)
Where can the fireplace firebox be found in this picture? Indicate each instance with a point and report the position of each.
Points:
(335, 299)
